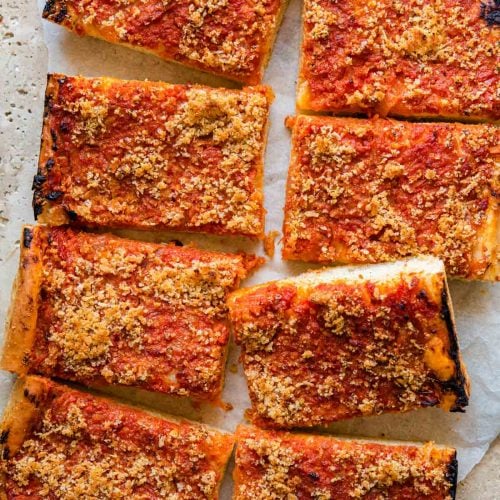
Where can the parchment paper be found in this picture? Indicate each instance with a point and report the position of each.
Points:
(476, 304)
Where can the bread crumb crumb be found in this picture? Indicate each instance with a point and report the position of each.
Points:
(269, 243)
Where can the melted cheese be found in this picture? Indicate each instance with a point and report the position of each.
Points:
(436, 357)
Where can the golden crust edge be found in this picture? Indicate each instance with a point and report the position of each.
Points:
(291, 122)
(270, 40)
(23, 310)
(259, 180)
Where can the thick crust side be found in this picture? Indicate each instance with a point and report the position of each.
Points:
(459, 385)
(20, 414)
(260, 169)
(488, 243)
(268, 48)
(43, 209)
(22, 316)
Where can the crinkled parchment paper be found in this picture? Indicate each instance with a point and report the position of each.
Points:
(23, 80)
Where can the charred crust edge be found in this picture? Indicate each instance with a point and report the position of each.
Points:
(27, 239)
(458, 383)
(32, 398)
(72, 215)
(490, 12)
(452, 475)
(53, 195)
(43, 168)
(4, 435)
(55, 10)
(37, 207)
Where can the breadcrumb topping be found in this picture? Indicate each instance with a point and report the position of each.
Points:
(152, 155)
(118, 311)
(322, 351)
(229, 38)
(279, 465)
(85, 447)
(396, 57)
(378, 190)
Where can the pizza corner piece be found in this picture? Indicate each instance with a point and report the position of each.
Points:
(400, 58)
(374, 190)
(102, 310)
(349, 341)
(229, 39)
(274, 464)
(56, 440)
(152, 156)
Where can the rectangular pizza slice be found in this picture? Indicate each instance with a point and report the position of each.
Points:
(102, 310)
(349, 341)
(437, 58)
(151, 155)
(273, 464)
(231, 38)
(363, 191)
(58, 442)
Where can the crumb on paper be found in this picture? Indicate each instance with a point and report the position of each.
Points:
(269, 243)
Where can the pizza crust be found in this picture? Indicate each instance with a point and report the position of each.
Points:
(23, 311)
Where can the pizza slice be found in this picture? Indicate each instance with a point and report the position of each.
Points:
(58, 442)
(437, 58)
(232, 39)
(152, 156)
(102, 310)
(273, 464)
(348, 342)
(362, 191)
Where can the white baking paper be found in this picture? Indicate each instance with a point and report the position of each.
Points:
(476, 304)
